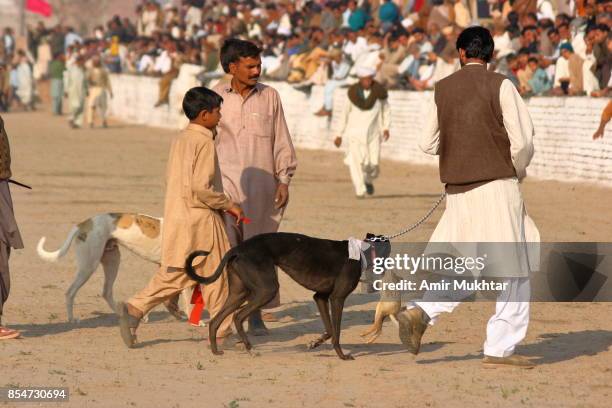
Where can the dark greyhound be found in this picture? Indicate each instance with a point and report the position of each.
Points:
(320, 265)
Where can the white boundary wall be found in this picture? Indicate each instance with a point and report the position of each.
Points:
(564, 126)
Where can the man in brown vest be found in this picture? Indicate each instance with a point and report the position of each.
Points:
(480, 127)
(9, 233)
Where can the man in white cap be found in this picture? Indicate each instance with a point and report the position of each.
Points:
(365, 123)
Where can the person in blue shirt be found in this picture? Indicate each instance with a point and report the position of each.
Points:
(358, 18)
(540, 82)
(71, 38)
(388, 14)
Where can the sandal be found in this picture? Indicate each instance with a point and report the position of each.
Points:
(127, 322)
(6, 333)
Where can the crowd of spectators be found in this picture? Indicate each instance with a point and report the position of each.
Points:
(546, 47)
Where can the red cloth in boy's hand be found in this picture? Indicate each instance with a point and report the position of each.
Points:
(198, 305)
(244, 220)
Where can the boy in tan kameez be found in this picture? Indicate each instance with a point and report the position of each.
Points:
(192, 217)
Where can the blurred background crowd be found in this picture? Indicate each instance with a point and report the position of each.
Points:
(546, 47)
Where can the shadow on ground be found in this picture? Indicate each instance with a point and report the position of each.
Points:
(551, 348)
(99, 320)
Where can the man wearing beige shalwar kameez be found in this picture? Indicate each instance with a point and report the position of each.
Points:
(192, 221)
(255, 151)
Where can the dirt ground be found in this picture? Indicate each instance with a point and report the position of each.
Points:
(76, 174)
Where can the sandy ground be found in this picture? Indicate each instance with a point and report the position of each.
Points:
(77, 174)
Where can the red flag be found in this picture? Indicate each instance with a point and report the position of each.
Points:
(39, 7)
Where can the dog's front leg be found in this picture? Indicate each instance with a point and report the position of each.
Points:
(337, 305)
(323, 305)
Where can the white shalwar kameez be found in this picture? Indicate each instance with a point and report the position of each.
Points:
(363, 130)
(76, 88)
(493, 212)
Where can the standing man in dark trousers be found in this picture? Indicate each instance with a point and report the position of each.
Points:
(255, 151)
(480, 127)
(9, 233)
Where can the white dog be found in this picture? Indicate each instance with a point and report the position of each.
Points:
(97, 241)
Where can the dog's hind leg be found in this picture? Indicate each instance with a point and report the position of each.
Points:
(237, 295)
(260, 299)
(322, 301)
(88, 260)
(110, 263)
(337, 305)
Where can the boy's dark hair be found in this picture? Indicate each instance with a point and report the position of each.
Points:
(563, 16)
(233, 49)
(477, 43)
(533, 59)
(200, 99)
(524, 51)
(528, 28)
(513, 18)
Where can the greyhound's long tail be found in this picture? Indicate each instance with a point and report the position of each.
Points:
(209, 279)
(55, 255)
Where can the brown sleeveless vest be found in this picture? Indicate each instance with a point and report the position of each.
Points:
(474, 145)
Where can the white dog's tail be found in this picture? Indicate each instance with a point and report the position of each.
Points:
(55, 255)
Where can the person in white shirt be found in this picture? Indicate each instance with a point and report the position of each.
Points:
(193, 17)
(355, 45)
(71, 38)
(481, 164)
(284, 25)
(545, 10)
(421, 48)
(365, 124)
(149, 19)
(25, 88)
(166, 66)
(76, 89)
(370, 58)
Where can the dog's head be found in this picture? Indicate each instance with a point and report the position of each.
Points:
(380, 247)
